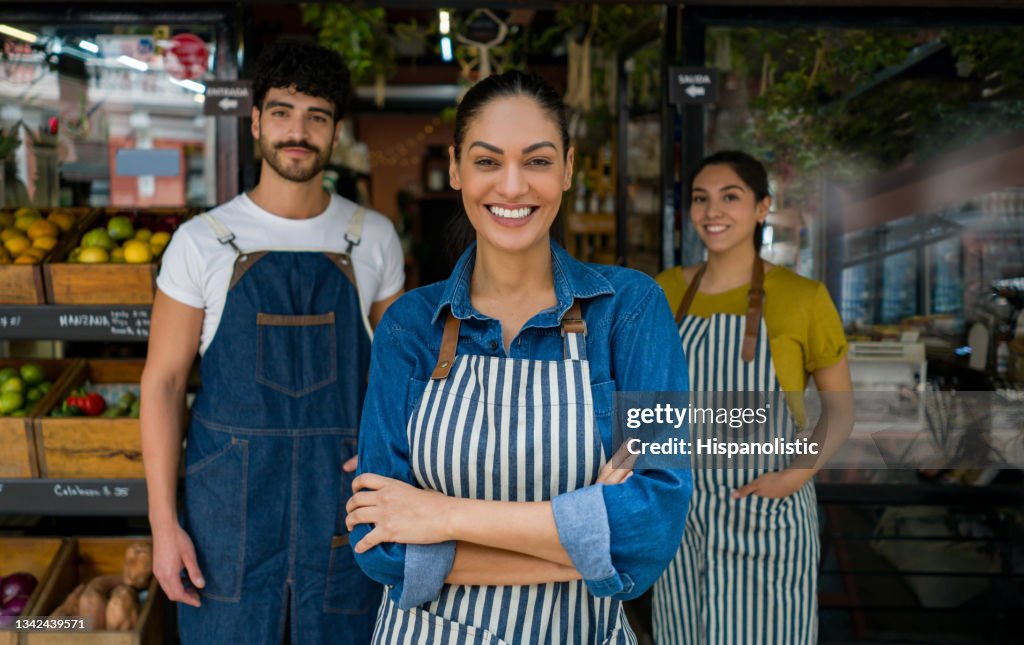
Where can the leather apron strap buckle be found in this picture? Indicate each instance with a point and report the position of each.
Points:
(449, 343)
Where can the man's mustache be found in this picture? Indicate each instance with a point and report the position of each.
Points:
(297, 144)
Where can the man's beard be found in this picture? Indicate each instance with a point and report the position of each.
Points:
(287, 168)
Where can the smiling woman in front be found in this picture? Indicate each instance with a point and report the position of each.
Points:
(484, 502)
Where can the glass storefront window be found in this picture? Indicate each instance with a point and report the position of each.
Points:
(897, 151)
(107, 115)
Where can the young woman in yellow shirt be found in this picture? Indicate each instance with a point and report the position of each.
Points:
(746, 570)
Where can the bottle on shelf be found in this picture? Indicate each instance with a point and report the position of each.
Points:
(580, 202)
(1002, 357)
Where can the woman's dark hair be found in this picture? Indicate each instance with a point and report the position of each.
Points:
(751, 172)
(310, 68)
(515, 83)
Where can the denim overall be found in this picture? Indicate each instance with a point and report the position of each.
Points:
(282, 388)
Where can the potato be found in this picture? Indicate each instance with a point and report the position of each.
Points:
(93, 603)
(123, 608)
(70, 605)
(138, 565)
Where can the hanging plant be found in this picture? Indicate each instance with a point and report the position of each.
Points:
(9, 140)
(363, 38)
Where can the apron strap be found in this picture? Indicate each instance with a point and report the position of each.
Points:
(354, 234)
(574, 331)
(691, 293)
(223, 233)
(574, 334)
(449, 343)
(755, 304)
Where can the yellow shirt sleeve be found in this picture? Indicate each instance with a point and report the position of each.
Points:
(826, 340)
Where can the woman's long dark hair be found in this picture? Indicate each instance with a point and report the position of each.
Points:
(459, 232)
(751, 172)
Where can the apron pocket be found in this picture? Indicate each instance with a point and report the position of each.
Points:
(216, 488)
(348, 589)
(296, 355)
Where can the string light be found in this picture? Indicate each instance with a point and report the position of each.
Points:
(398, 155)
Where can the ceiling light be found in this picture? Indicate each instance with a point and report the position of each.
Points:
(198, 88)
(444, 19)
(134, 63)
(90, 47)
(14, 32)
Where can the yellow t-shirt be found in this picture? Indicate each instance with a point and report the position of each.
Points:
(805, 332)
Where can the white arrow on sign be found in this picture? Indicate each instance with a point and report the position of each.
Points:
(227, 104)
(694, 91)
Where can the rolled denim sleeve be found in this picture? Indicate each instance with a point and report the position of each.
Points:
(415, 572)
(622, 537)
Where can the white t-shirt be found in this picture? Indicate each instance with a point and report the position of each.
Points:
(196, 269)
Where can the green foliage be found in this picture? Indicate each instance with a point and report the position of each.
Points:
(825, 98)
(9, 141)
(361, 36)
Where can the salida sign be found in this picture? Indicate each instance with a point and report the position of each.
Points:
(693, 85)
(187, 57)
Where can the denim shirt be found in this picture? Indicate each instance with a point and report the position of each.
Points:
(619, 537)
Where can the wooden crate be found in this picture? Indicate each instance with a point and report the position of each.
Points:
(91, 447)
(23, 284)
(109, 284)
(90, 557)
(39, 556)
(18, 457)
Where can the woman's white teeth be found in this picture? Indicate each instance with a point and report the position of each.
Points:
(715, 228)
(511, 213)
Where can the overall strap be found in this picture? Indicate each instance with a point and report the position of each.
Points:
(574, 334)
(354, 233)
(755, 304)
(223, 233)
(449, 343)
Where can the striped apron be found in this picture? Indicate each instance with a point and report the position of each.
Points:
(746, 571)
(512, 430)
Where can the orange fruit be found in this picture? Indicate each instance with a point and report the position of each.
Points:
(65, 221)
(25, 259)
(137, 252)
(17, 245)
(93, 255)
(42, 228)
(24, 222)
(45, 243)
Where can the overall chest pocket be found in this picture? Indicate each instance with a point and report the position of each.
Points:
(296, 355)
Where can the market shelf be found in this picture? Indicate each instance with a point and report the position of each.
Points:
(120, 323)
(73, 497)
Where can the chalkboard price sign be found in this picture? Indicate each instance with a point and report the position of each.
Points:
(56, 322)
(123, 497)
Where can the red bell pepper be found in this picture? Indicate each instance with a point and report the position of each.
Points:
(91, 404)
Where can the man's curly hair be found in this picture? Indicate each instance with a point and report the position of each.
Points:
(309, 68)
